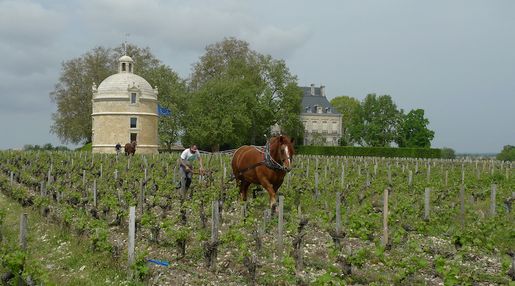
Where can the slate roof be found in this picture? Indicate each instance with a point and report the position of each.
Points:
(309, 101)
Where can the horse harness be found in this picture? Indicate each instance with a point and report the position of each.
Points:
(268, 161)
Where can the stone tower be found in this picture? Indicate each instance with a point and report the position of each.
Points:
(124, 110)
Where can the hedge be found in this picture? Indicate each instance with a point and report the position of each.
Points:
(369, 151)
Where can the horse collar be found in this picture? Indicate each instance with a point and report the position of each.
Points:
(270, 162)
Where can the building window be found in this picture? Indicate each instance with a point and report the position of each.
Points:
(133, 97)
(134, 122)
(130, 67)
(134, 137)
(123, 66)
(335, 129)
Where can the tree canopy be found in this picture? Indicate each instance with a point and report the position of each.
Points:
(413, 130)
(375, 121)
(347, 106)
(241, 93)
(507, 153)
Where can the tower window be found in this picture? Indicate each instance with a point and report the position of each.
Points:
(130, 67)
(134, 122)
(123, 67)
(133, 98)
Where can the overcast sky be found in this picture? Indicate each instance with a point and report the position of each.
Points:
(454, 59)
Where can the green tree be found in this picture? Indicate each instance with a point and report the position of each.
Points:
(413, 131)
(173, 96)
(375, 121)
(347, 106)
(263, 87)
(216, 117)
(507, 153)
(72, 93)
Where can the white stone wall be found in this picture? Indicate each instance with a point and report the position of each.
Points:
(111, 124)
(328, 126)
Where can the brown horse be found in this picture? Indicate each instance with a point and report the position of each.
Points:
(130, 148)
(263, 166)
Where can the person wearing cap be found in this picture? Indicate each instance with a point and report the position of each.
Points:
(186, 164)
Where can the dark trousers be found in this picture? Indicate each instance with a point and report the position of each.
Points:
(185, 178)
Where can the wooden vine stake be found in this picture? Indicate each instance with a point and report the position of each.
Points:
(23, 231)
(142, 197)
(317, 192)
(95, 193)
(426, 203)
(132, 238)
(389, 175)
(338, 214)
(462, 205)
(492, 200)
(43, 188)
(12, 178)
(214, 222)
(385, 218)
(342, 180)
(23, 240)
(280, 227)
(428, 177)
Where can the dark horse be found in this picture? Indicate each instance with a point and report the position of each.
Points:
(130, 148)
(263, 166)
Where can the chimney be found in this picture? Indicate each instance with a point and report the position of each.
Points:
(312, 89)
(322, 90)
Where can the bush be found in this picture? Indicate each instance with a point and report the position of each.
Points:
(448, 153)
(507, 153)
(86, 147)
(369, 151)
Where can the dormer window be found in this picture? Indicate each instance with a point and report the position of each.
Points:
(133, 97)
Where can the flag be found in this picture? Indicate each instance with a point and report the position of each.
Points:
(163, 111)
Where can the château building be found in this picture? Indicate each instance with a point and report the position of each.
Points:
(322, 124)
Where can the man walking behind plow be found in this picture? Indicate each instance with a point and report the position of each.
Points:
(188, 156)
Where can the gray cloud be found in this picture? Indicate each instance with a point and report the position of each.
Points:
(454, 59)
(24, 23)
(188, 26)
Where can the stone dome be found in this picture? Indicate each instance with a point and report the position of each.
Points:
(119, 84)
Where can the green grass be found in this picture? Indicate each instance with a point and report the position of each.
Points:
(61, 257)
